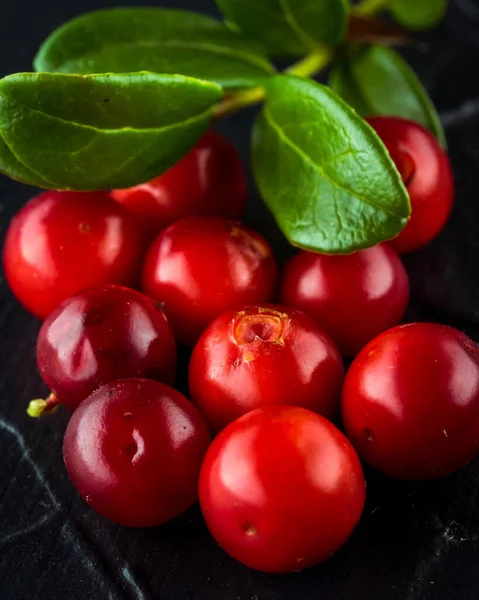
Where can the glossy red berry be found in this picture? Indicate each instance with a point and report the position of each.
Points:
(411, 401)
(63, 242)
(354, 297)
(201, 266)
(427, 175)
(210, 179)
(260, 356)
(100, 335)
(133, 450)
(281, 489)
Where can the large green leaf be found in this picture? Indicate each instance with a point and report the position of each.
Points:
(418, 14)
(158, 40)
(323, 172)
(11, 166)
(290, 26)
(87, 132)
(377, 81)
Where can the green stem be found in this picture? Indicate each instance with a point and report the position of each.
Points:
(312, 63)
(238, 101)
(368, 8)
(306, 67)
(39, 407)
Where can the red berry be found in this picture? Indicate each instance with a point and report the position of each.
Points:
(210, 179)
(201, 266)
(133, 450)
(427, 175)
(63, 242)
(260, 356)
(100, 335)
(354, 297)
(411, 401)
(281, 489)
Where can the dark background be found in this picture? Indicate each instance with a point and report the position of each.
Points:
(415, 541)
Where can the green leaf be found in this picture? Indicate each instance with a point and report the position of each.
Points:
(323, 172)
(158, 40)
(290, 26)
(377, 81)
(418, 14)
(13, 168)
(90, 132)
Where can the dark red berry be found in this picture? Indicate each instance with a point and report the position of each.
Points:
(100, 335)
(134, 449)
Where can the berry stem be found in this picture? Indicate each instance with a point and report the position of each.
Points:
(40, 407)
(306, 67)
(368, 8)
(238, 101)
(312, 63)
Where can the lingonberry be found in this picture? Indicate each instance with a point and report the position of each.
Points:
(62, 242)
(427, 175)
(354, 297)
(281, 489)
(411, 401)
(264, 355)
(201, 266)
(133, 450)
(99, 335)
(210, 179)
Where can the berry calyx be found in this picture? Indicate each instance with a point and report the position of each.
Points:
(263, 324)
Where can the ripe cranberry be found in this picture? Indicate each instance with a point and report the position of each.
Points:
(281, 489)
(62, 242)
(427, 175)
(99, 335)
(264, 355)
(210, 179)
(133, 450)
(411, 401)
(201, 266)
(354, 297)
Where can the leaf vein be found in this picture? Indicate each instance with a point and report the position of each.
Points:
(112, 130)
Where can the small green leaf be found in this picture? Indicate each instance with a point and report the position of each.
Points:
(418, 14)
(126, 40)
(91, 132)
(290, 26)
(377, 81)
(323, 172)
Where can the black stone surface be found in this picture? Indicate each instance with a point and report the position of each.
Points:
(415, 541)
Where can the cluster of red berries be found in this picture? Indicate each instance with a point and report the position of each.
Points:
(280, 487)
